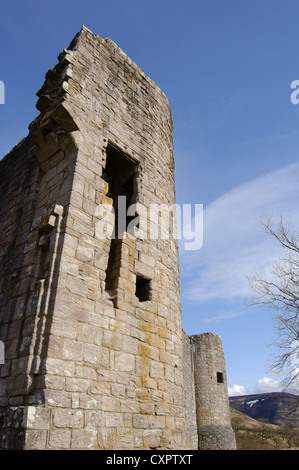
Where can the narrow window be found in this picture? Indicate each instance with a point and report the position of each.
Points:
(120, 173)
(143, 288)
(219, 377)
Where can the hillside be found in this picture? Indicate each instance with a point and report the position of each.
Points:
(252, 434)
(275, 408)
(264, 422)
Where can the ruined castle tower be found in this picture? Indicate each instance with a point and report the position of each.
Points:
(212, 404)
(95, 354)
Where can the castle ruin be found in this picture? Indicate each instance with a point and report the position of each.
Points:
(95, 353)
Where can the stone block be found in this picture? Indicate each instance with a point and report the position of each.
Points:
(65, 418)
(36, 418)
(60, 367)
(156, 369)
(64, 328)
(113, 340)
(124, 361)
(118, 390)
(76, 385)
(60, 439)
(106, 438)
(72, 350)
(101, 388)
(85, 253)
(96, 355)
(84, 439)
(89, 334)
(110, 403)
(152, 439)
(35, 440)
(114, 420)
(129, 406)
(140, 421)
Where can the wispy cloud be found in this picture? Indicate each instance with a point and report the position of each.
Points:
(224, 316)
(270, 138)
(235, 246)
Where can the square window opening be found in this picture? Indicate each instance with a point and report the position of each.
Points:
(143, 288)
(219, 377)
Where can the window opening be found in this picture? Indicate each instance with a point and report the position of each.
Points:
(219, 377)
(120, 173)
(143, 288)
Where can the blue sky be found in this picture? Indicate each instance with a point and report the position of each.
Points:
(226, 68)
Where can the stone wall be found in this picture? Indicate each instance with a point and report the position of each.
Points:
(96, 357)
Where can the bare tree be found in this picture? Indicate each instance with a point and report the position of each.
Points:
(281, 293)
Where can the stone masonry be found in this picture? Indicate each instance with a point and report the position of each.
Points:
(95, 354)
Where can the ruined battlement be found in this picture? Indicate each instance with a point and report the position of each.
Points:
(95, 353)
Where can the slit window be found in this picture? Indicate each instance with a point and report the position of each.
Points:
(143, 288)
(219, 377)
(119, 173)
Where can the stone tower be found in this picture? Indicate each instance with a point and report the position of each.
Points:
(212, 405)
(95, 354)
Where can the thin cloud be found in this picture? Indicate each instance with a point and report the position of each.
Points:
(235, 246)
(224, 316)
(270, 138)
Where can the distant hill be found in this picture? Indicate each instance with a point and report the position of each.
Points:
(277, 408)
(252, 434)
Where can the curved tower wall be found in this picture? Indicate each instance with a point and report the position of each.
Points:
(211, 395)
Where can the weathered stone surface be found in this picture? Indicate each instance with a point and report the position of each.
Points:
(63, 418)
(60, 439)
